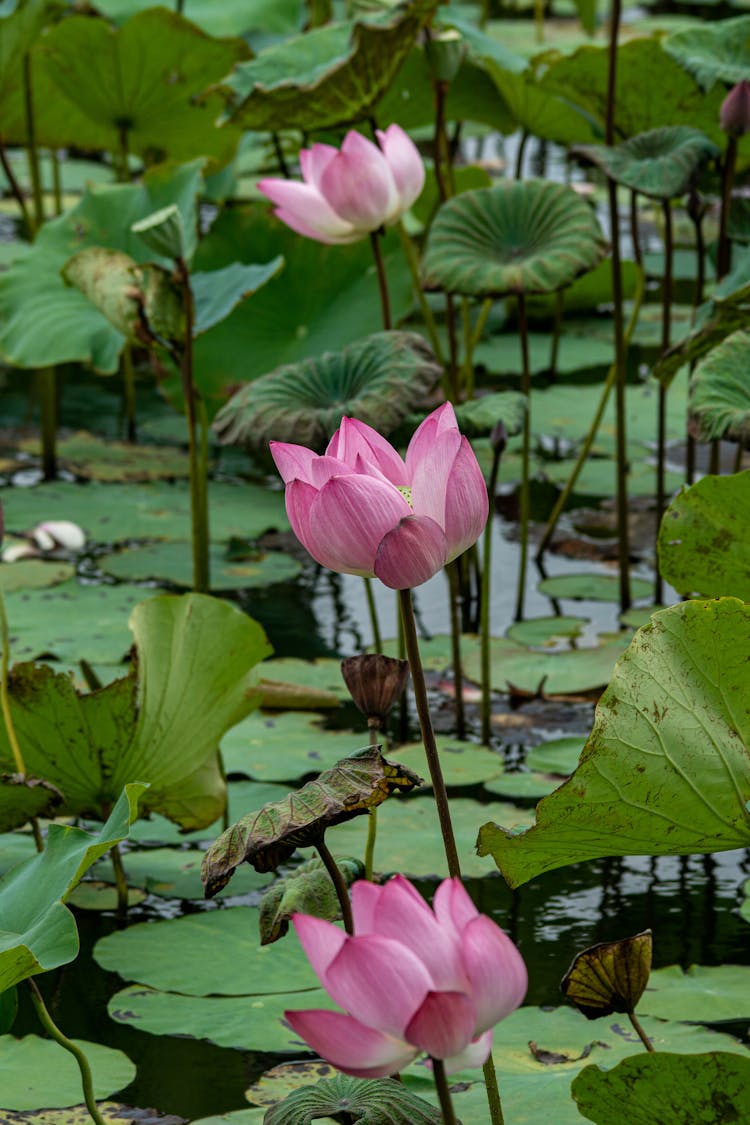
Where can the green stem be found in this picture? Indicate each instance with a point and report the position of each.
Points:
(458, 673)
(377, 639)
(472, 336)
(443, 1093)
(10, 729)
(661, 434)
(385, 303)
(372, 814)
(724, 250)
(738, 457)
(280, 159)
(128, 391)
(46, 389)
(121, 881)
(53, 1030)
(403, 707)
(56, 181)
(700, 281)
(493, 1091)
(342, 892)
(556, 330)
(634, 233)
(484, 625)
(453, 378)
(198, 510)
(16, 191)
(640, 1032)
(123, 173)
(520, 153)
(440, 141)
(428, 734)
(524, 497)
(539, 20)
(32, 151)
(412, 262)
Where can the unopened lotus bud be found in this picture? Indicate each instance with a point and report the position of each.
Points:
(734, 115)
(499, 437)
(58, 533)
(609, 977)
(375, 682)
(444, 53)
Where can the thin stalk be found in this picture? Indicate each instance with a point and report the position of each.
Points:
(128, 392)
(593, 429)
(450, 319)
(738, 457)
(413, 263)
(32, 152)
(203, 427)
(458, 672)
(539, 20)
(484, 622)
(46, 389)
(16, 191)
(385, 303)
(520, 153)
(124, 171)
(640, 1032)
(373, 726)
(714, 461)
(36, 833)
(724, 249)
(10, 729)
(428, 734)
(403, 707)
(493, 1091)
(621, 371)
(56, 181)
(280, 159)
(634, 232)
(661, 434)
(443, 1093)
(440, 142)
(342, 892)
(556, 330)
(199, 528)
(377, 640)
(524, 498)
(700, 281)
(121, 881)
(53, 1030)
(472, 336)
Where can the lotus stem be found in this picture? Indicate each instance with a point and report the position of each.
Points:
(524, 497)
(640, 1032)
(493, 1091)
(700, 279)
(428, 734)
(342, 891)
(440, 142)
(56, 180)
(121, 882)
(634, 233)
(539, 20)
(196, 451)
(16, 192)
(123, 174)
(373, 726)
(556, 330)
(621, 371)
(453, 376)
(738, 457)
(32, 152)
(484, 624)
(472, 336)
(458, 672)
(280, 159)
(54, 1031)
(10, 729)
(412, 262)
(661, 429)
(46, 389)
(443, 1092)
(724, 249)
(520, 154)
(403, 708)
(128, 392)
(385, 303)
(377, 639)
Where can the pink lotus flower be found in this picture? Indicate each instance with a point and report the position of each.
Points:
(349, 192)
(362, 509)
(411, 979)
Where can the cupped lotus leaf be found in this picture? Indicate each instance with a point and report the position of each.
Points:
(38, 931)
(479, 416)
(703, 541)
(661, 163)
(340, 71)
(142, 85)
(194, 677)
(306, 890)
(371, 1102)
(23, 797)
(378, 380)
(171, 562)
(36, 1071)
(609, 976)
(528, 236)
(702, 994)
(714, 52)
(666, 770)
(719, 391)
(269, 837)
(665, 1089)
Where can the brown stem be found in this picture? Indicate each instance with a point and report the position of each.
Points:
(450, 318)
(634, 234)
(443, 1093)
(16, 191)
(385, 303)
(199, 529)
(342, 892)
(31, 147)
(439, 145)
(724, 250)
(661, 435)
(281, 161)
(484, 611)
(640, 1032)
(524, 497)
(458, 672)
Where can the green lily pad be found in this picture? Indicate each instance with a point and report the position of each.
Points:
(173, 562)
(517, 237)
(554, 673)
(323, 674)
(661, 163)
(664, 771)
(715, 52)
(591, 587)
(523, 785)
(329, 76)
(598, 476)
(33, 574)
(93, 895)
(239, 1117)
(284, 747)
(559, 756)
(719, 396)
(242, 797)
(176, 873)
(112, 1113)
(543, 631)
(378, 380)
(703, 542)
(638, 616)
(662, 1089)
(231, 17)
(703, 994)
(92, 457)
(501, 355)
(36, 1071)
(462, 763)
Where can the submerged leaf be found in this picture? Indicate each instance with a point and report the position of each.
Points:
(268, 837)
(610, 976)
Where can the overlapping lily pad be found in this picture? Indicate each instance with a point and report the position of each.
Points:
(33, 574)
(554, 673)
(703, 994)
(719, 394)
(36, 1071)
(92, 457)
(660, 163)
(172, 562)
(284, 747)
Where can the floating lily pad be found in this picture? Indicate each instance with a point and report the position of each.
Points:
(285, 747)
(112, 1113)
(479, 416)
(323, 674)
(703, 540)
(281, 1080)
(93, 895)
(242, 795)
(559, 756)
(173, 562)
(703, 994)
(237, 1117)
(231, 17)
(591, 587)
(523, 785)
(517, 237)
(542, 631)
(462, 763)
(377, 380)
(92, 457)
(553, 673)
(638, 616)
(72, 622)
(714, 52)
(719, 395)
(33, 574)
(35, 1070)
(660, 163)
(176, 873)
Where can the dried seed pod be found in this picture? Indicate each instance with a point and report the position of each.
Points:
(375, 683)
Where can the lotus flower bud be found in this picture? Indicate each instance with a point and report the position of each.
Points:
(444, 53)
(375, 683)
(499, 437)
(58, 533)
(734, 115)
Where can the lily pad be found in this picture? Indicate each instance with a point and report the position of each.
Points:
(539, 632)
(703, 994)
(661, 163)
(378, 380)
(93, 895)
(71, 622)
(715, 52)
(462, 763)
(719, 396)
(703, 541)
(479, 416)
(176, 873)
(35, 1071)
(172, 562)
(554, 673)
(33, 574)
(591, 587)
(531, 236)
(92, 457)
(559, 756)
(522, 785)
(664, 771)
(284, 747)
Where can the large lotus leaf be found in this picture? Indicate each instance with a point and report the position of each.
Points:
(723, 315)
(479, 416)
(704, 545)
(378, 380)
(269, 837)
(38, 931)
(373, 1102)
(666, 770)
(528, 236)
(23, 797)
(33, 293)
(539, 111)
(194, 678)
(17, 34)
(661, 163)
(665, 1089)
(339, 71)
(714, 52)
(719, 391)
(35, 1071)
(139, 83)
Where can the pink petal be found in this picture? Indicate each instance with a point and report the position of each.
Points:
(314, 161)
(307, 206)
(348, 520)
(349, 1045)
(405, 164)
(323, 468)
(292, 461)
(411, 553)
(321, 941)
(299, 498)
(443, 1025)
(357, 438)
(358, 184)
(453, 906)
(379, 981)
(475, 1054)
(496, 971)
(402, 914)
(466, 502)
(436, 423)
(295, 223)
(365, 897)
